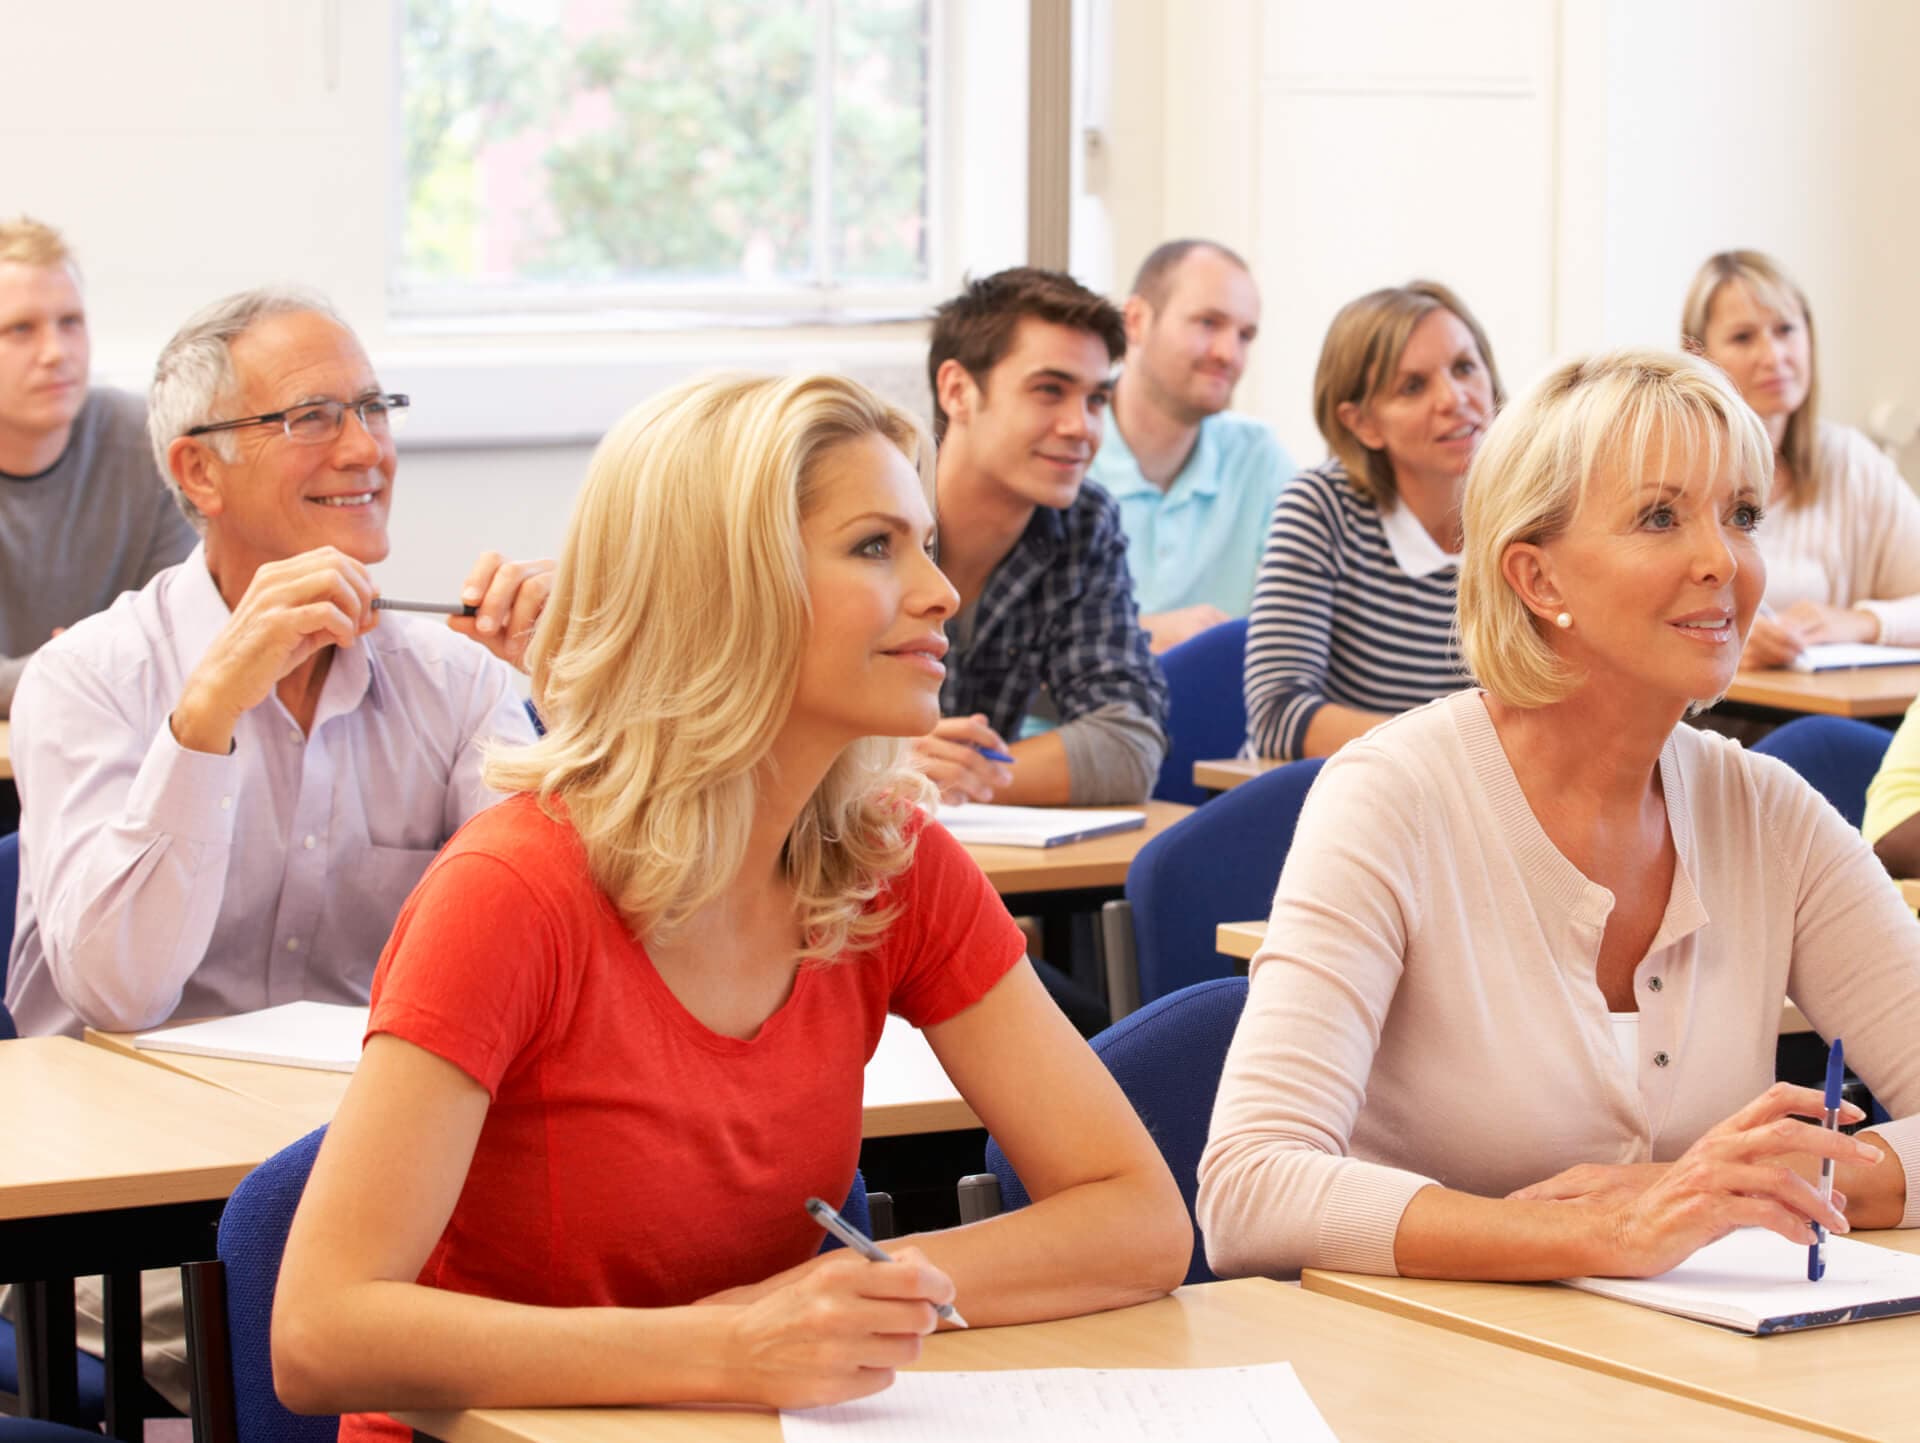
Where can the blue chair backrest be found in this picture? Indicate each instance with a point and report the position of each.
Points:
(1836, 756)
(1206, 707)
(253, 1236)
(9, 894)
(855, 1211)
(30, 1430)
(1218, 865)
(1167, 1059)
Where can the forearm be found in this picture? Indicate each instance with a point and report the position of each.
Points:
(1041, 775)
(385, 1345)
(1085, 1249)
(1333, 726)
(1447, 1234)
(1899, 848)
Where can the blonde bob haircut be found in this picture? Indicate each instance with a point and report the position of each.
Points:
(666, 660)
(1773, 288)
(1358, 361)
(1610, 420)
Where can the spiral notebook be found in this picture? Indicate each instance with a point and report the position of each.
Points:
(985, 824)
(1755, 1281)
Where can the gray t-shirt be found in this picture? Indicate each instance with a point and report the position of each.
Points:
(98, 522)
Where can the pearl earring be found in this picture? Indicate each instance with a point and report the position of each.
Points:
(1564, 621)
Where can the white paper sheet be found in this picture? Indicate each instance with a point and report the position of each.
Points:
(1752, 1278)
(985, 823)
(321, 1035)
(1264, 1403)
(1851, 655)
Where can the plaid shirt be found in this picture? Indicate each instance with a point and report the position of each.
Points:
(1058, 612)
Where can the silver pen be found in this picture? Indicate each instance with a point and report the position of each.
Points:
(436, 608)
(824, 1214)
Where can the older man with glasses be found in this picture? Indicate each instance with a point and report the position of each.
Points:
(232, 778)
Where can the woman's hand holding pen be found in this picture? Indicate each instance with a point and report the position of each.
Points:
(1741, 1173)
(965, 758)
(836, 1332)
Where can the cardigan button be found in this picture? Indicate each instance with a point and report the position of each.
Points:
(1654, 984)
(1660, 1059)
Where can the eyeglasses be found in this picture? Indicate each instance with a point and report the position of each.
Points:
(315, 423)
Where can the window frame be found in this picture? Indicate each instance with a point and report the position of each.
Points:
(548, 308)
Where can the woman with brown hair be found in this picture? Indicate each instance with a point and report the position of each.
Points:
(1352, 616)
(1842, 538)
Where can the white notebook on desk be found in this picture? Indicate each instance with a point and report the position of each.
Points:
(1754, 1281)
(323, 1035)
(1852, 655)
(984, 824)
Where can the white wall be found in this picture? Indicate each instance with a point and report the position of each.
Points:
(1566, 164)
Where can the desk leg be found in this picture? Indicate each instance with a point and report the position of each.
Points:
(49, 1371)
(126, 1381)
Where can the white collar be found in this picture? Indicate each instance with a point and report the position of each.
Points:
(1414, 549)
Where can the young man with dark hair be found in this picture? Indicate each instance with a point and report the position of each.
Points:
(1196, 484)
(1021, 365)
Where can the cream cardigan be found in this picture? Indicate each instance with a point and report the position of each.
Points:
(1424, 1007)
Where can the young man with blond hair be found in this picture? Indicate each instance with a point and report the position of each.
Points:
(83, 515)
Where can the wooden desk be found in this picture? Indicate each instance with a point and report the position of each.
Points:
(1242, 939)
(6, 754)
(1874, 691)
(109, 1167)
(1228, 772)
(907, 1091)
(1849, 1382)
(1097, 864)
(1374, 1377)
(1910, 893)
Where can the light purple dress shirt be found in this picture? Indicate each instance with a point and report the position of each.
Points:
(157, 881)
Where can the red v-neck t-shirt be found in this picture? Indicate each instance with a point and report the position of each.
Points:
(630, 1155)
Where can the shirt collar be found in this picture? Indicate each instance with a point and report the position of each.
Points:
(1414, 549)
(1122, 476)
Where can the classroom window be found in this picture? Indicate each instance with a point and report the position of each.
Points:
(665, 155)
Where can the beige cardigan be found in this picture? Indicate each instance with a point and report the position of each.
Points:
(1424, 1007)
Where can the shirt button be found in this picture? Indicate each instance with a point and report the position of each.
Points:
(308, 843)
(293, 945)
(293, 735)
(1654, 984)
(1660, 1059)
(226, 804)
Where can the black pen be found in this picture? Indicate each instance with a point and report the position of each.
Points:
(437, 608)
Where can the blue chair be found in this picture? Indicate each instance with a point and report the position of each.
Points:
(1218, 865)
(1167, 1058)
(1206, 707)
(1836, 756)
(29, 1430)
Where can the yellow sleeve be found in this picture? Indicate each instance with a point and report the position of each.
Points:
(1894, 793)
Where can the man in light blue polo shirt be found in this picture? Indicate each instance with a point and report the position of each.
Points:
(1196, 484)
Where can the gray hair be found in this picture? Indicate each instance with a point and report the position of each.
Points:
(195, 372)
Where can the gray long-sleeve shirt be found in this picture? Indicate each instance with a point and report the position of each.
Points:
(98, 522)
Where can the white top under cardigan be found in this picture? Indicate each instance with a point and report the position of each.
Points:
(1425, 1006)
(1857, 545)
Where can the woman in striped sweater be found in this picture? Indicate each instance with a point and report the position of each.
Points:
(1352, 615)
(1842, 538)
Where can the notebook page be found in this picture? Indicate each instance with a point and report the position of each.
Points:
(993, 824)
(1847, 655)
(1258, 1404)
(1752, 1275)
(321, 1035)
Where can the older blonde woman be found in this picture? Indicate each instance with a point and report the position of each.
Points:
(1842, 538)
(618, 1035)
(1516, 1009)
(1352, 615)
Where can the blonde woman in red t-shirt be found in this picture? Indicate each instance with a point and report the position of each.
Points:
(619, 1032)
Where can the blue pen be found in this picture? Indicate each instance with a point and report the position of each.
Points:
(992, 754)
(1817, 1249)
(824, 1214)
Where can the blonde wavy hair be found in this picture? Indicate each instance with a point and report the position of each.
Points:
(1773, 288)
(666, 661)
(1623, 414)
